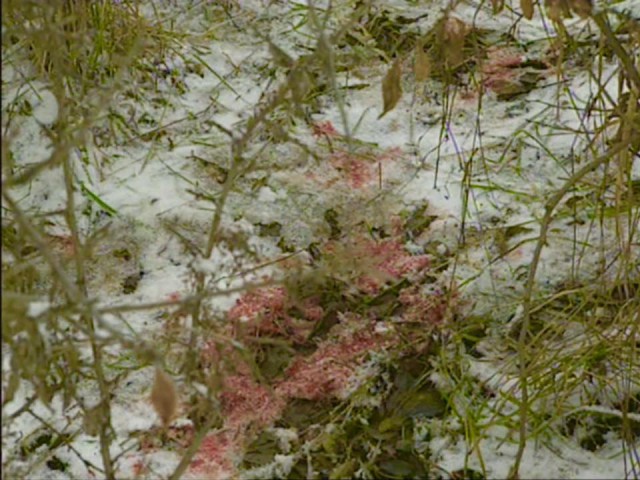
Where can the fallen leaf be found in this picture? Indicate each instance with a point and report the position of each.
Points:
(391, 88)
(453, 36)
(582, 7)
(422, 65)
(497, 5)
(527, 8)
(164, 397)
(557, 9)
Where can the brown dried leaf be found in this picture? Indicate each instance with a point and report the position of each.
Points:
(557, 9)
(527, 8)
(582, 7)
(164, 397)
(422, 65)
(453, 37)
(391, 88)
(553, 11)
(497, 5)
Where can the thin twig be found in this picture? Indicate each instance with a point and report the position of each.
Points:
(550, 206)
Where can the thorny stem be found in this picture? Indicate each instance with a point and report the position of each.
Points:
(632, 72)
(64, 138)
(126, 308)
(238, 148)
(528, 292)
(238, 164)
(87, 318)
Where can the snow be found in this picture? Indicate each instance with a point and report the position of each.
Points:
(538, 462)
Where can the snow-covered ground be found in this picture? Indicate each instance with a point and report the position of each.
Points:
(490, 166)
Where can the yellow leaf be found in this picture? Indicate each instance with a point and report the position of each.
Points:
(527, 8)
(391, 88)
(164, 397)
(422, 65)
(453, 36)
(557, 9)
(582, 7)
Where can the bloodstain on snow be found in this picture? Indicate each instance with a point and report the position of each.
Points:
(139, 468)
(174, 297)
(245, 402)
(328, 371)
(383, 260)
(394, 259)
(360, 170)
(266, 312)
(267, 302)
(357, 171)
(324, 129)
(422, 308)
(64, 244)
(501, 70)
(215, 457)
